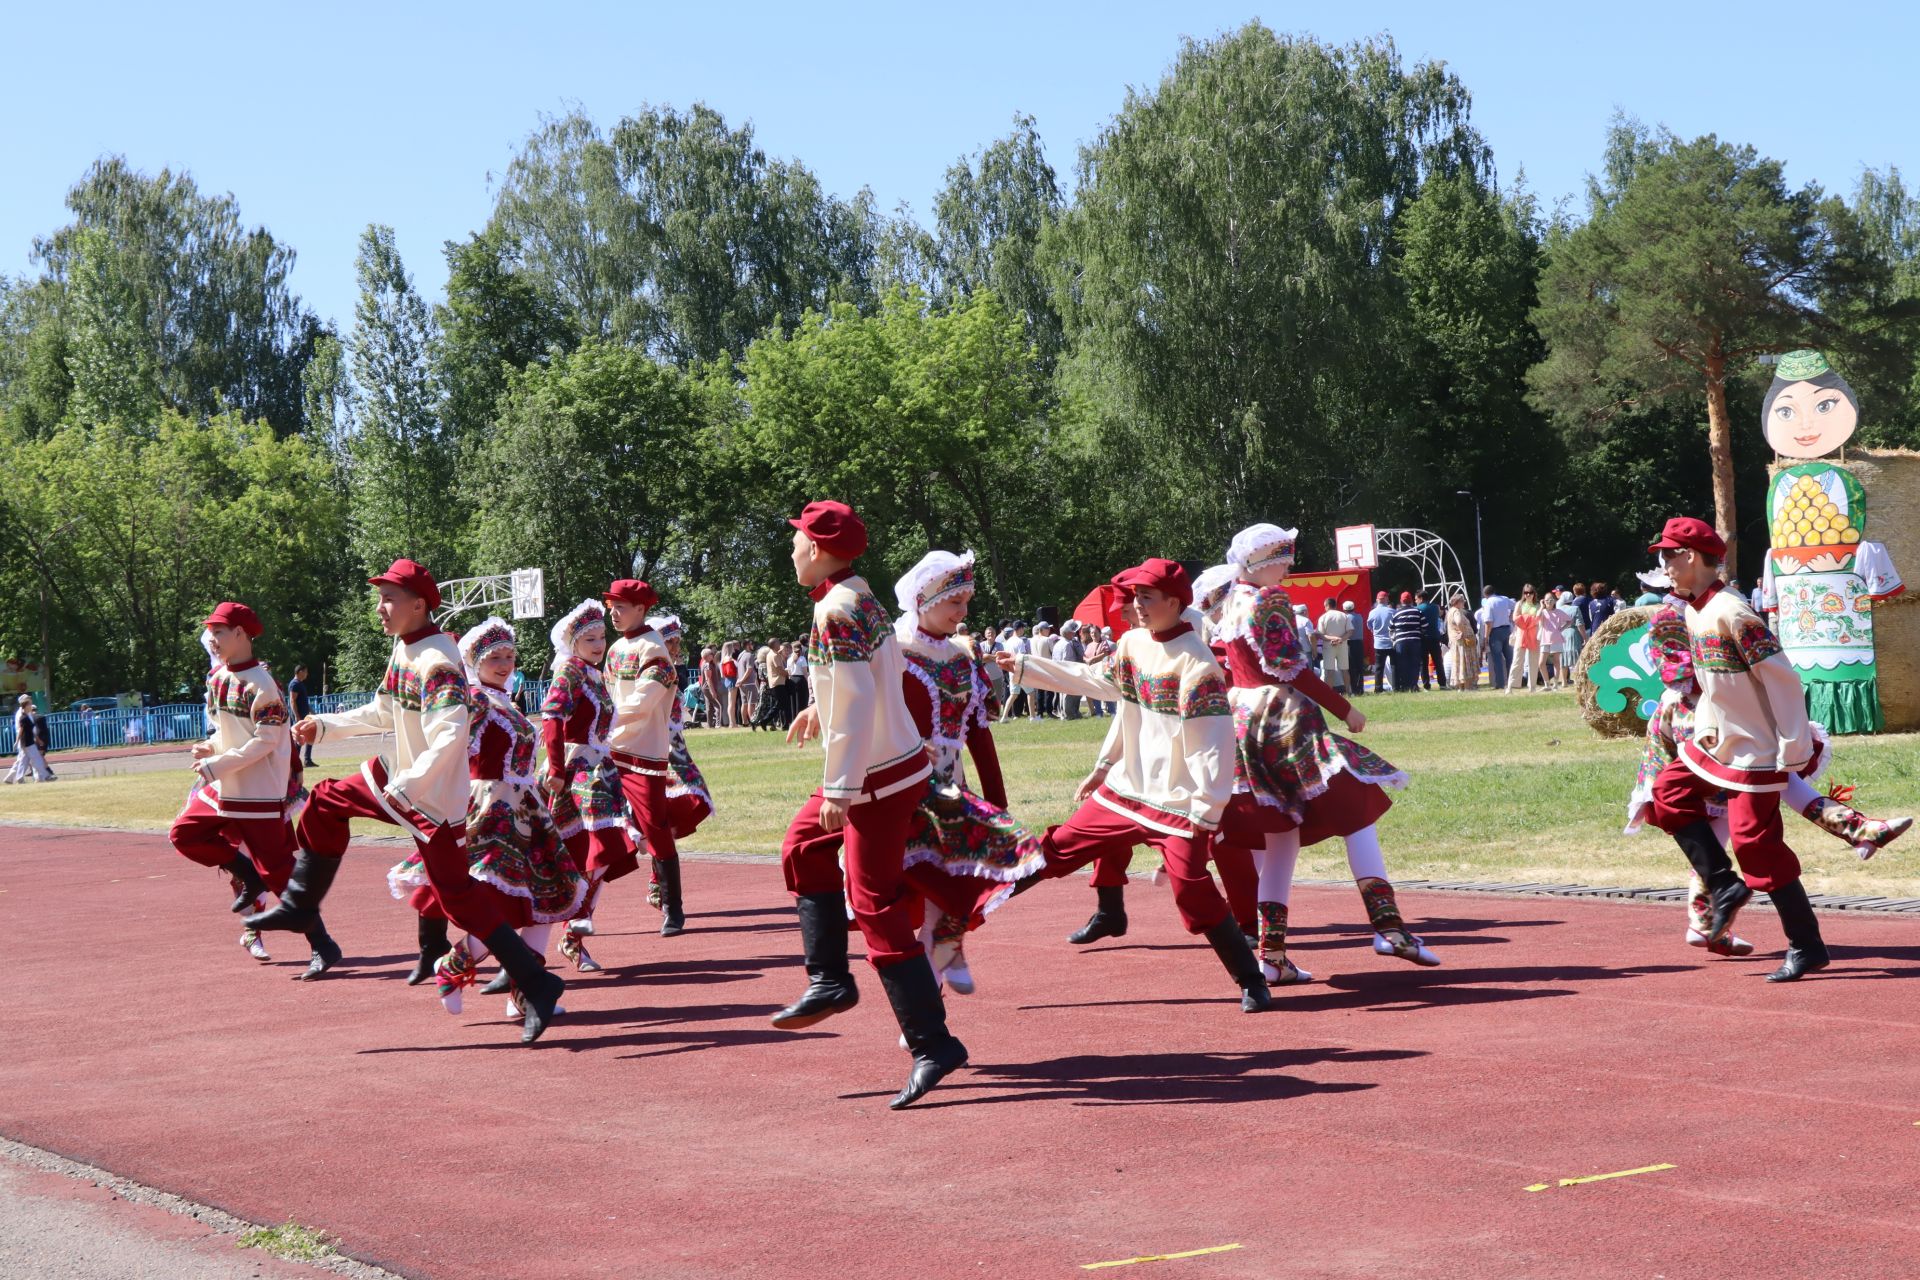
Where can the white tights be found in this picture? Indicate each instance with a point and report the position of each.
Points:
(1282, 852)
(1277, 860)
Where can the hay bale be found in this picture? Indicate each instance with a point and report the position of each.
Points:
(1891, 480)
(1625, 723)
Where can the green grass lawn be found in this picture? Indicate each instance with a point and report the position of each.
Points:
(1505, 788)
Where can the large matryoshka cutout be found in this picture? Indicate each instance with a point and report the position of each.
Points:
(1822, 575)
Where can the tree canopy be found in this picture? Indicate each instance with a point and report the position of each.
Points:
(1288, 283)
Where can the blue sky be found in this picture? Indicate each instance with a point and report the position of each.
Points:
(323, 118)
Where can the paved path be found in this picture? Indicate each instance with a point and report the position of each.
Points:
(1386, 1121)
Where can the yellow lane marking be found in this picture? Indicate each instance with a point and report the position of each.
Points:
(1599, 1177)
(1158, 1257)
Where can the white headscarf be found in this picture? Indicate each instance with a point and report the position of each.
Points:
(938, 575)
(1259, 545)
(667, 624)
(585, 616)
(1211, 584)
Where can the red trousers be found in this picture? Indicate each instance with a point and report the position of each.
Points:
(1095, 831)
(202, 835)
(1753, 819)
(476, 907)
(1234, 863)
(884, 895)
(647, 800)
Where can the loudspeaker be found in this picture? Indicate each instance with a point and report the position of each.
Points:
(1046, 613)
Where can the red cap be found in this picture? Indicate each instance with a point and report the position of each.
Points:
(1406, 597)
(1161, 575)
(1694, 535)
(410, 575)
(834, 529)
(634, 592)
(229, 613)
(1382, 597)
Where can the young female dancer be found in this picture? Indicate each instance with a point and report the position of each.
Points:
(951, 699)
(581, 781)
(1301, 782)
(512, 843)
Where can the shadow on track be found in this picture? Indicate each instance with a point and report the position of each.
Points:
(1152, 1079)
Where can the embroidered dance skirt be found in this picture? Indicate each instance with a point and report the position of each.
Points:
(513, 845)
(689, 802)
(966, 836)
(1287, 757)
(592, 800)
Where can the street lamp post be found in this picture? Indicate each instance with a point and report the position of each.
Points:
(1479, 545)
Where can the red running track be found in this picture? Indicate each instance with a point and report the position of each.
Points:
(1385, 1122)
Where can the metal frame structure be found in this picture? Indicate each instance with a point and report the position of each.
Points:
(1431, 556)
(523, 592)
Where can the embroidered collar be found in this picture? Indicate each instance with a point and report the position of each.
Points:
(497, 688)
(1700, 601)
(415, 637)
(927, 637)
(838, 576)
(1173, 632)
(237, 667)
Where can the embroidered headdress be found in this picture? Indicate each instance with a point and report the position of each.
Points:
(483, 641)
(586, 617)
(1211, 585)
(1260, 545)
(667, 624)
(939, 574)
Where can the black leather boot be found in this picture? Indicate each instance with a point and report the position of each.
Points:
(299, 907)
(247, 880)
(1806, 951)
(539, 987)
(823, 940)
(433, 945)
(501, 982)
(1726, 891)
(1109, 918)
(326, 952)
(914, 993)
(1241, 964)
(673, 919)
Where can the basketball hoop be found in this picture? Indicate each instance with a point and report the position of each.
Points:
(1356, 547)
(529, 593)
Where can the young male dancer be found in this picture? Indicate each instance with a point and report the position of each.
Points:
(642, 680)
(423, 703)
(876, 774)
(236, 819)
(1750, 734)
(1165, 771)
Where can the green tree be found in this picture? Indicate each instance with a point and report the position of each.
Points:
(1696, 258)
(1226, 284)
(162, 298)
(591, 471)
(138, 533)
(928, 422)
(498, 317)
(1889, 217)
(676, 233)
(1469, 260)
(991, 216)
(401, 460)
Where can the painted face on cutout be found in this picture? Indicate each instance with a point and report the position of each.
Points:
(1810, 420)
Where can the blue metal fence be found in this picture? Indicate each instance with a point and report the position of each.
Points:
(134, 726)
(187, 721)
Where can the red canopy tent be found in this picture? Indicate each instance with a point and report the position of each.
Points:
(1103, 607)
